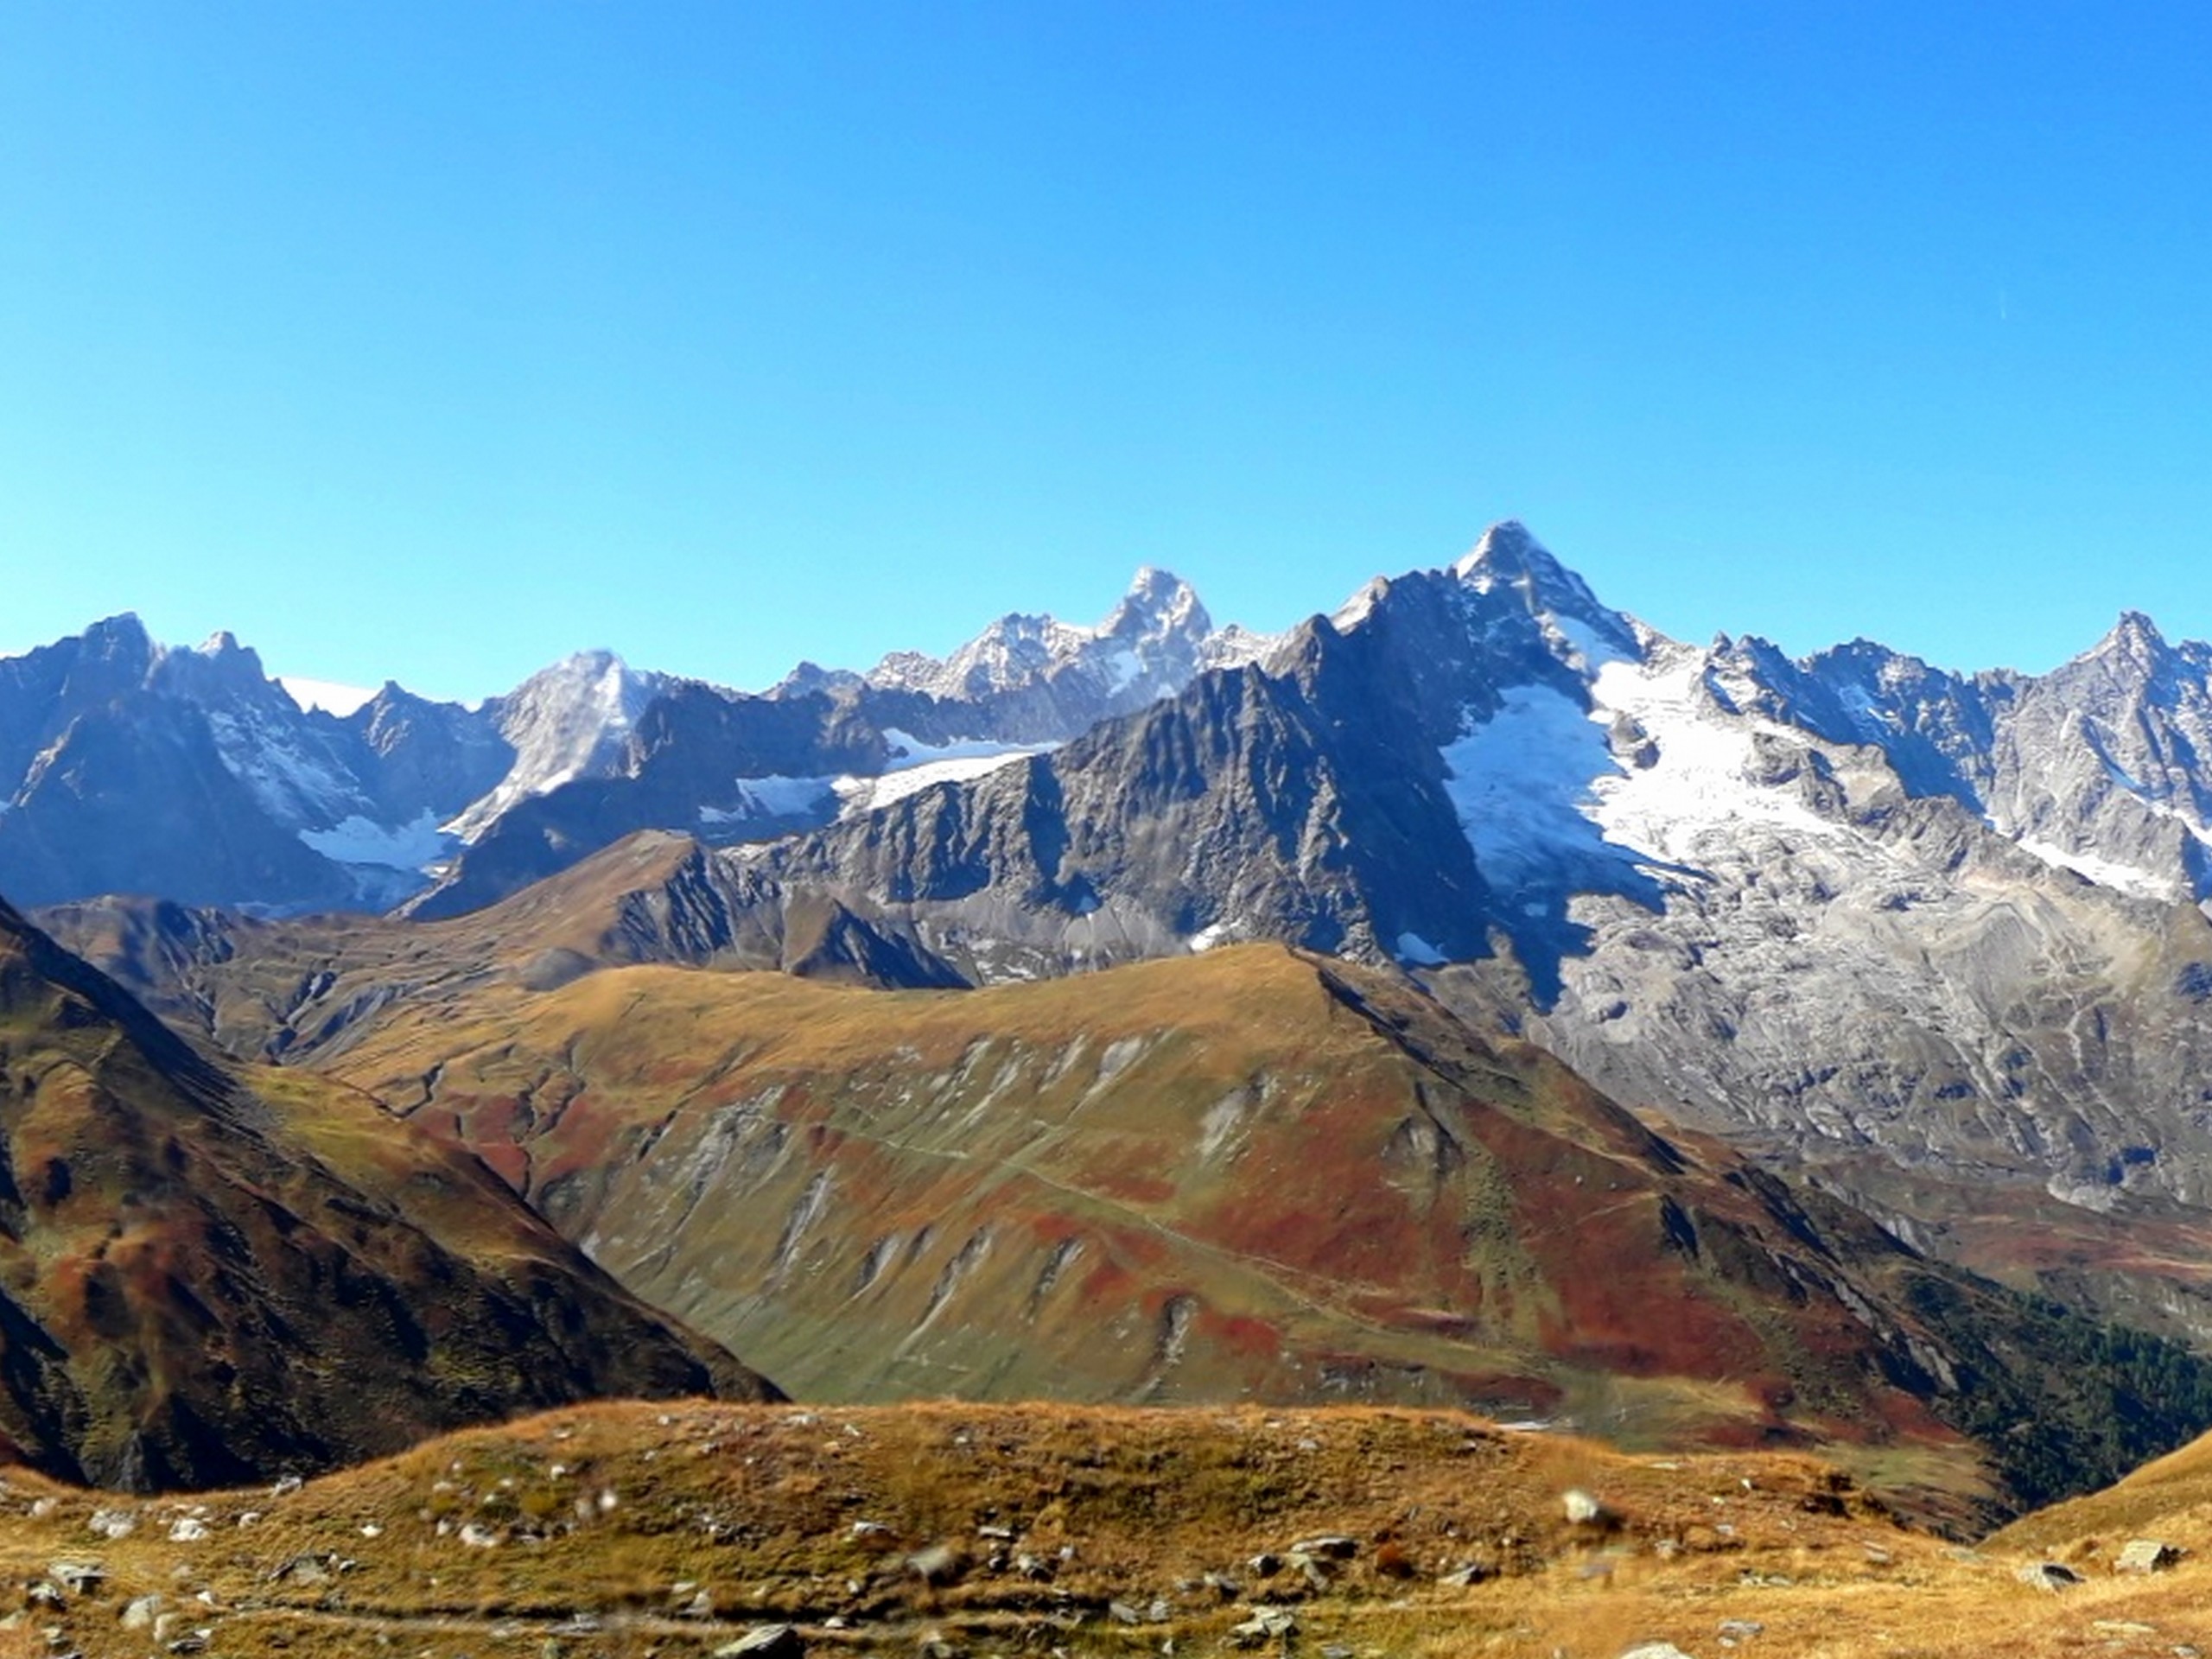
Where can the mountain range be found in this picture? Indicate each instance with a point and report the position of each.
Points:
(130, 766)
(1932, 946)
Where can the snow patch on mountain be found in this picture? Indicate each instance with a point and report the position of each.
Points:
(1417, 952)
(1523, 784)
(295, 781)
(2104, 872)
(783, 796)
(357, 840)
(1235, 645)
(1702, 779)
(916, 766)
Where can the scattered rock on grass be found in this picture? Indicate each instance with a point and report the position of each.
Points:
(2141, 1556)
(114, 1523)
(79, 1578)
(2053, 1576)
(764, 1641)
(1268, 1624)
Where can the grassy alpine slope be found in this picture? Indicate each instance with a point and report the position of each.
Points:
(1251, 1175)
(208, 1275)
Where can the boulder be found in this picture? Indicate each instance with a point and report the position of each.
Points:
(1268, 1624)
(764, 1641)
(938, 1564)
(2141, 1556)
(2053, 1576)
(79, 1578)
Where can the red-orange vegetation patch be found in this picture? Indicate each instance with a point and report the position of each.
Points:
(590, 1135)
(1239, 1334)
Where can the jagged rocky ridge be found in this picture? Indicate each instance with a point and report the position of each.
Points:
(254, 802)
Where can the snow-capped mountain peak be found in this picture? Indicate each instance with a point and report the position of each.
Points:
(1158, 602)
(1509, 560)
(571, 720)
(1149, 645)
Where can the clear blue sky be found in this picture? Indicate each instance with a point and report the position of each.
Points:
(437, 341)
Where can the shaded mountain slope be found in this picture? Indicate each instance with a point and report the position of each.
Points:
(1249, 1173)
(207, 1277)
(2169, 1499)
(296, 988)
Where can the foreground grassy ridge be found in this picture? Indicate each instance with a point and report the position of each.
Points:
(623, 1530)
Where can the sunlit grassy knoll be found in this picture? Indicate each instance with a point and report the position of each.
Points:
(671, 1530)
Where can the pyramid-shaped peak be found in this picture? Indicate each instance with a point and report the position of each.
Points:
(1507, 552)
(1509, 559)
(2134, 625)
(121, 638)
(1153, 583)
(2134, 638)
(124, 624)
(580, 667)
(1158, 601)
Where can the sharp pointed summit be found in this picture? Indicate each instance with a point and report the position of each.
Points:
(2134, 638)
(1509, 559)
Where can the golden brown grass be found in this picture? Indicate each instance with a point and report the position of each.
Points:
(628, 1513)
